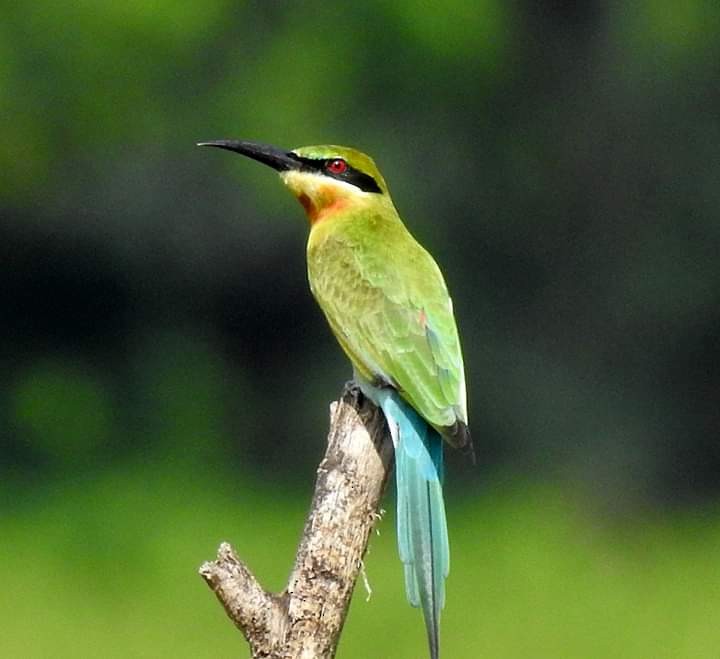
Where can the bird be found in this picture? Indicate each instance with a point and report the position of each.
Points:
(387, 304)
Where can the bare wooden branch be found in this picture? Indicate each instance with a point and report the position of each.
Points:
(305, 620)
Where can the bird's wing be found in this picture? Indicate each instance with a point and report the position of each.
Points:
(392, 313)
(413, 329)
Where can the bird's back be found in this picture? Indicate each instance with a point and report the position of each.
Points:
(386, 301)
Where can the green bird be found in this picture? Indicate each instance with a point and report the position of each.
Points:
(387, 304)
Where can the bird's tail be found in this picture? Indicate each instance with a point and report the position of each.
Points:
(421, 524)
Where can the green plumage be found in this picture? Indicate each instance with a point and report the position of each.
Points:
(387, 303)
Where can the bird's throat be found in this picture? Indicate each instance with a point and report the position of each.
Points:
(321, 199)
(318, 213)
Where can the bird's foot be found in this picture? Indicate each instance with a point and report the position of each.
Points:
(352, 389)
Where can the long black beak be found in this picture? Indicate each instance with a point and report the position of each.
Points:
(276, 158)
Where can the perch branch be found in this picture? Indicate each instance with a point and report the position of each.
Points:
(305, 620)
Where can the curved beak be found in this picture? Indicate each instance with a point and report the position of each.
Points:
(278, 159)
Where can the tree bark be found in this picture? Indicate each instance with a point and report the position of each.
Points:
(305, 620)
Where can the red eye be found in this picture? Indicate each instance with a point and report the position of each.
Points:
(336, 166)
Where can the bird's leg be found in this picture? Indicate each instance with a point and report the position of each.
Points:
(352, 388)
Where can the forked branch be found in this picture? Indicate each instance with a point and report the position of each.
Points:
(305, 620)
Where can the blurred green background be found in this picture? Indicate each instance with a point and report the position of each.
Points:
(166, 375)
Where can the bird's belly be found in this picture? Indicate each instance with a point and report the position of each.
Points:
(343, 294)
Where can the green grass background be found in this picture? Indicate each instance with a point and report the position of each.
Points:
(107, 567)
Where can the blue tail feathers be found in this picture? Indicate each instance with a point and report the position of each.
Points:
(421, 524)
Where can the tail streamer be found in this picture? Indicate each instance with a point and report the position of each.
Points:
(421, 523)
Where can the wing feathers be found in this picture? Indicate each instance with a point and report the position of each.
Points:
(391, 312)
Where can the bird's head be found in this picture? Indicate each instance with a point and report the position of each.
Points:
(325, 179)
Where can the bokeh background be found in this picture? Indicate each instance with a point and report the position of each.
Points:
(166, 375)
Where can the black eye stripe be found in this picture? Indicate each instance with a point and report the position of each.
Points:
(359, 179)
